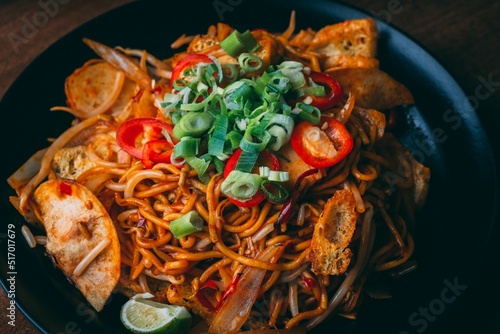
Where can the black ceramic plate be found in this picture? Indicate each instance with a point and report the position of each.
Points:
(442, 131)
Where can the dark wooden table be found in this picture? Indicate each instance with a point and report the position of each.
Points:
(463, 35)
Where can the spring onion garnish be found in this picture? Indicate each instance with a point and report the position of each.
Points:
(308, 113)
(254, 144)
(200, 165)
(249, 62)
(246, 161)
(274, 191)
(293, 71)
(218, 138)
(240, 185)
(187, 146)
(249, 41)
(280, 128)
(193, 124)
(237, 42)
(273, 175)
(191, 222)
(239, 112)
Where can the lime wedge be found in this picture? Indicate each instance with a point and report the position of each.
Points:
(146, 316)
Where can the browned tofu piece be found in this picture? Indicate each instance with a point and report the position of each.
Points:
(352, 37)
(373, 88)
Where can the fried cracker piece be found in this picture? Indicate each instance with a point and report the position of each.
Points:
(76, 222)
(373, 88)
(329, 253)
(92, 86)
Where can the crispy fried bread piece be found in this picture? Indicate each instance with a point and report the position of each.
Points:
(77, 225)
(329, 252)
(95, 85)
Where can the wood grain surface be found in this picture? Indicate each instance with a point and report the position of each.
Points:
(463, 35)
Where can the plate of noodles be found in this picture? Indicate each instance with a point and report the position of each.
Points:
(267, 166)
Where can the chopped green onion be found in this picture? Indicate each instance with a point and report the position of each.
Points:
(234, 139)
(248, 144)
(308, 113)
(232, 44)
(249, 41)
(249, 63)
(246, 161)
(218, 137)
(273, 175)
(280, 128)
(282, 193)
(241, 186)
(293, 71)
(187, 146)
(195, 106)
(189, 223)
(237, 42)
(193, 124)
(219, 164)
(200, 165)
(220, 73)
(231, 72)
(264, 172)
(278, 176)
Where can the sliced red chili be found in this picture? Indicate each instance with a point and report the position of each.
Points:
(134, 135)
(157, 151)
(189, 61)
(334, 91)
(321, 145)
(231, 288)
(202, 298)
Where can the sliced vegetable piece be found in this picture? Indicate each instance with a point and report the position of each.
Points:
(231, 164)
(241, 186)
(146, 316)
(132, 134)
(321, 145)
(236, 307)
(189, 223)
(189, 62)
(157, 151)
(193, 124)
(333, 91)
